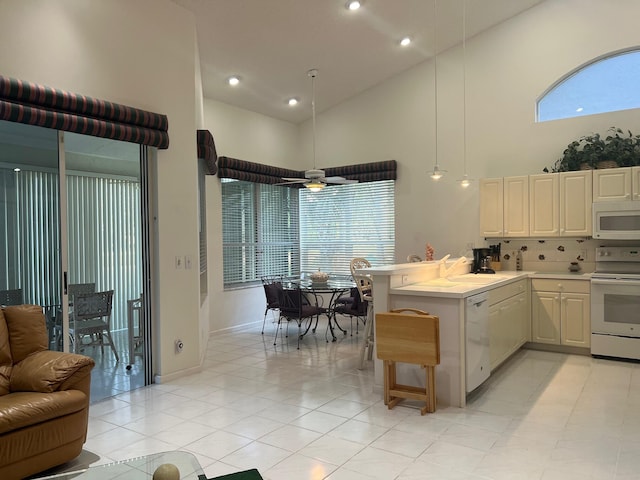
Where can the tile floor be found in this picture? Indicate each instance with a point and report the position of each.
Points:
(311, 414)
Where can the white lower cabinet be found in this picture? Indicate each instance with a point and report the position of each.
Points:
(509, 324)
(561, 312)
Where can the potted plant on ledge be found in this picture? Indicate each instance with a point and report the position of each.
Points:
(591, 151)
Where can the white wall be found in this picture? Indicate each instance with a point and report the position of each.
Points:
(256, 138)
(139, 54)
(507, 69)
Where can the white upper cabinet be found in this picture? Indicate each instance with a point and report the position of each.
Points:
(516, 206)
(575, 203)
(491, 207)
(612, 184)
(544, 204)
(560, 204)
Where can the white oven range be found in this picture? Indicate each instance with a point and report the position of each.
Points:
(615, 303)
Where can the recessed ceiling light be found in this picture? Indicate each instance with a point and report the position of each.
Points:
(579, 109)
(353, 5)
(405, 41)
(17, 169)
(292, 102)
(233, 81)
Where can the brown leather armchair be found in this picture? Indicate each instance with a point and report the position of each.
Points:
(44, 396)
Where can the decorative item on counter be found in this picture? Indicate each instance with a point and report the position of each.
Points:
(519, 260)
(574, 267)
(429, 253)
(319, 277)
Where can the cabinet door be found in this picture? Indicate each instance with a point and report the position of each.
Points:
(576, 319)
(612, 184)
(543, 205)
(491, 206)
(522, 319)
(545, 317)
(635, 182)
(576, 196)
(495, 353)
(516, 206)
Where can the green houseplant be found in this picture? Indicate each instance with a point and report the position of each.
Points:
(617, 149)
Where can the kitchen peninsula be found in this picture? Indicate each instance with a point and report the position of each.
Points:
(442, 288)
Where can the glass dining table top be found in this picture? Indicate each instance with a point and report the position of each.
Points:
(331, 285)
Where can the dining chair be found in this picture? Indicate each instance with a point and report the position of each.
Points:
(358, 262)
(11, 297)
(355, 308)
(294, 305)
(92, 317)
(78, 288)
(365, 289)
(272, 286)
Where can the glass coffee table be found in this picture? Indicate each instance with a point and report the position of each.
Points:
(139, 468)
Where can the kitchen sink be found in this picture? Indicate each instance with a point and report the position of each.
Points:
(480, 279)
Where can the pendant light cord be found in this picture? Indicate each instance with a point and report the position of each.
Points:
(464, 83)
(435, 72)
(312, 73)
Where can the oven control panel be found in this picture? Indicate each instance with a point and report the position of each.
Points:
(618, 254)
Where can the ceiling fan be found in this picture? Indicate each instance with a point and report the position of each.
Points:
(315, 179)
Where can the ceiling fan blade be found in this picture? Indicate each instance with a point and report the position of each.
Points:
(339, 180)
(295, 180)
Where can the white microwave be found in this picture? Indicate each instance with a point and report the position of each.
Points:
(616, 220)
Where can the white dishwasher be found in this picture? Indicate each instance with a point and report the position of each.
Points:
(478, 362)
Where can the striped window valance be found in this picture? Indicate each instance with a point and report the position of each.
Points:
(33, 104)
(253, 172)
(258, 173)
(207, 150)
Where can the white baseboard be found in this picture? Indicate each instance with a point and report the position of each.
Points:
(235, 328)
(175, 375)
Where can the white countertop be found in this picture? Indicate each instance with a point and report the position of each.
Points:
(431, 288)
(442, 288)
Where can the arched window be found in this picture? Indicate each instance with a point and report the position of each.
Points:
(603, 85)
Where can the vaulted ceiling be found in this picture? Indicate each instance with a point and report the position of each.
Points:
(271, 45)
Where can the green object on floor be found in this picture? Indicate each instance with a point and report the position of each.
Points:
(252, 474)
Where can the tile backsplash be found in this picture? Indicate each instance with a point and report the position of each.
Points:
(549, 255)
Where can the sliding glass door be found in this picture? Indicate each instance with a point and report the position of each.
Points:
(78, 246)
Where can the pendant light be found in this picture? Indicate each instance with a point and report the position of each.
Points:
(465, 181)
(436, 173)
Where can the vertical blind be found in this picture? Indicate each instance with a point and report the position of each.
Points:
(259, 231)
(104, 236)
(346, 221)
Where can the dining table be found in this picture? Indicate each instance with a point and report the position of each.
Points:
(334, 288)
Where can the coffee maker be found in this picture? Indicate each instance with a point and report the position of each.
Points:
(482, 261)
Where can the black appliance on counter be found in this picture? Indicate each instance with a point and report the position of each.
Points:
(482, 261)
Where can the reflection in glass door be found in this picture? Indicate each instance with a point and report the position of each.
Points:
(29, 221)
(89, 275)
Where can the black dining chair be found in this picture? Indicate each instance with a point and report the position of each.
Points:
(294, 305)
(272, 287)
(355, 309)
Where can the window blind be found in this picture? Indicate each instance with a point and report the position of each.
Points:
(346, 221)
(260, 232)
